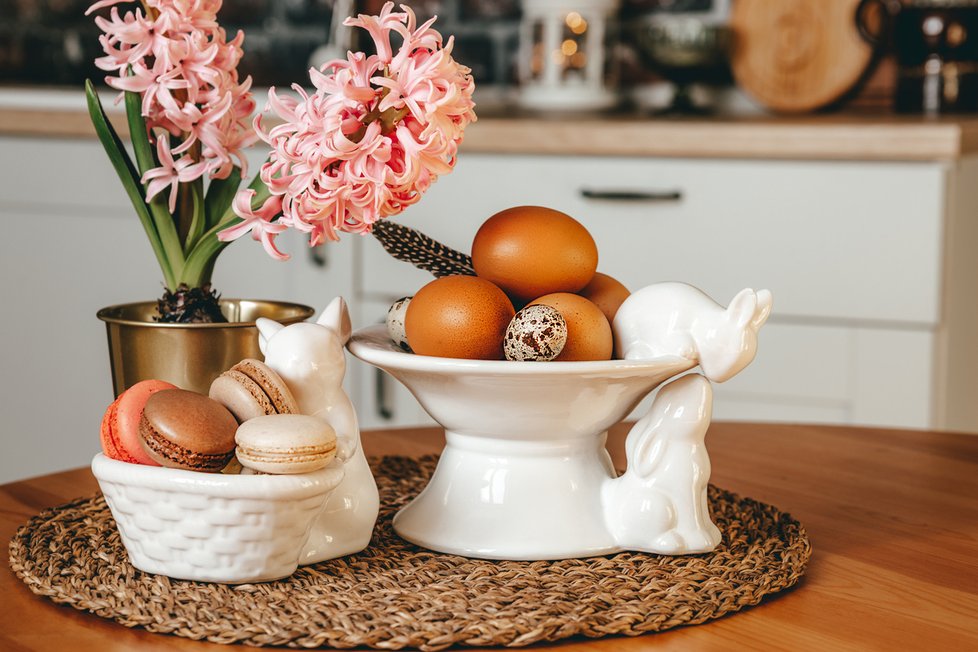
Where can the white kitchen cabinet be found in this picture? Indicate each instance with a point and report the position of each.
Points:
(380, 399)
(857, 254)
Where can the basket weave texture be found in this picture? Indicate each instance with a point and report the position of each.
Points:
(212, 537)
(395, 595)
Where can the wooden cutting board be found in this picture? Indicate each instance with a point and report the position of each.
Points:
(797, 55)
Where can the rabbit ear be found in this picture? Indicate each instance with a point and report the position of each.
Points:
(742, 307)
(765, 301)
(648, 453)
(635, 436)
(644, 445)
(266, 330)
(336, 317)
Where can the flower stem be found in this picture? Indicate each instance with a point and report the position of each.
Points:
(185, 213)
(388, 122)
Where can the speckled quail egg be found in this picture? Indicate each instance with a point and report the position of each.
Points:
(537, 333)
(395, 322)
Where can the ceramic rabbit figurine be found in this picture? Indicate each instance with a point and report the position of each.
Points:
(312, 361)
(660, 504)
(678, 319)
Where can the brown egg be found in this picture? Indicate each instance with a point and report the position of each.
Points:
(607, 293)
(459, 317)
(530, 251)
(588, 331)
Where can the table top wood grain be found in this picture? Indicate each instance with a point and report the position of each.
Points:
(892, 515)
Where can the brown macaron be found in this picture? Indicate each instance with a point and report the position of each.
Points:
(252, 389)
(185, 430)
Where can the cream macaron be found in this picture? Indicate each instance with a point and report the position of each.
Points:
(285, 443)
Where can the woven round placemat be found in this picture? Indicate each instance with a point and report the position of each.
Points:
(395, 595)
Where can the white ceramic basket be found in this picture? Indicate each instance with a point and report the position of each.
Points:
(212, 527)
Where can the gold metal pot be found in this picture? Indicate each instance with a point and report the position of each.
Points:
(190, 356)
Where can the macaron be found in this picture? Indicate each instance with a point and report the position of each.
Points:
(252, 389)
(285, 443)
(120, 425)
(184, 430)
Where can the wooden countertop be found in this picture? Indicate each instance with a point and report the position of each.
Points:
(892, 515)
(835, 137)
(820, 137)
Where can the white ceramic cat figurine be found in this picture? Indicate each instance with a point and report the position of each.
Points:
(678, 319)
(312, 361)
(660, 504)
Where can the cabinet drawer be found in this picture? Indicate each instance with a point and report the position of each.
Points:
(828, 374)
(836, 240)
(381, 401)
(798, 363)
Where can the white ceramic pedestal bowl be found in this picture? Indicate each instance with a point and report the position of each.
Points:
(524, 474)
(212, 527)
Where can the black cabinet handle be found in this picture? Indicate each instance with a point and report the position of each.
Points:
(632, 195)
(381, 381)
(317, 255)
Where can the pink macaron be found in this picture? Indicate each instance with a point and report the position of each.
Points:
(120, 425)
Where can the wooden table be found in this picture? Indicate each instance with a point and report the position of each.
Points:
(893, 517)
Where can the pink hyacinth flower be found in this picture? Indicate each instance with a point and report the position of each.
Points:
(257, 222)
(176, 56)
(374, 135)
(171, 173)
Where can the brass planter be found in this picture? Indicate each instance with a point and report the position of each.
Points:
(190, 356)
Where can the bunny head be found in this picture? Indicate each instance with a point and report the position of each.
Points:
(733, 344)
(308, 355)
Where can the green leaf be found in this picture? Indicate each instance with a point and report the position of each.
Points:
(129, 177)
(199, 218)
(139, 134)
(200, 260)
(145, 158)
(220, 194)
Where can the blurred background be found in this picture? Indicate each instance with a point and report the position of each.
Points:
(915, 55)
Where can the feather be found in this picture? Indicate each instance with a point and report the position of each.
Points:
(411, 246)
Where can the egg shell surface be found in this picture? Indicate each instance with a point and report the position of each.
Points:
(395, 322)
(607, 293)
(537, 333)
(459, 317)
(589, 334)
(531, 251)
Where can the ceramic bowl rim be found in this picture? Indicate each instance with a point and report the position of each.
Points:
(267, 487)
(372, 345)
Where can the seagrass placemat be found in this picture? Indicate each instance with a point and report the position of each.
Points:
(395, 595)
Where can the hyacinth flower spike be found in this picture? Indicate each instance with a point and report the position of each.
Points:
(369, 139)
(188, 116)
